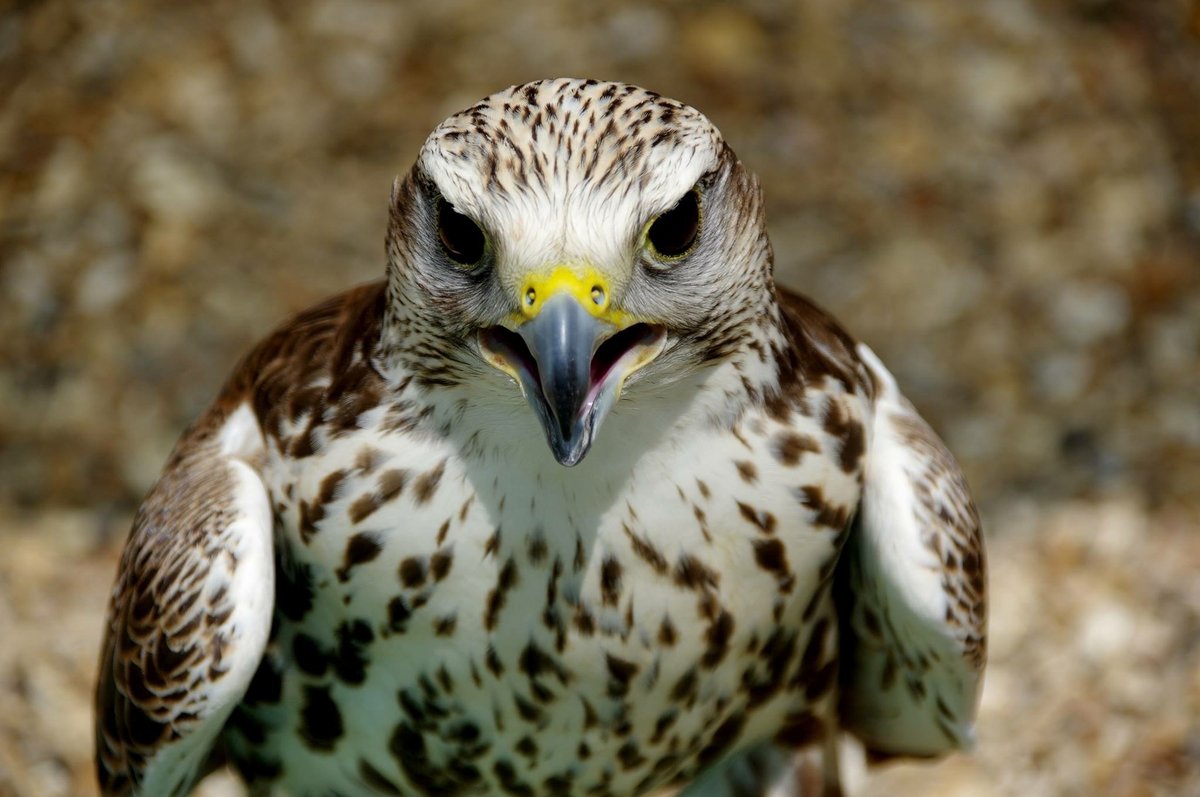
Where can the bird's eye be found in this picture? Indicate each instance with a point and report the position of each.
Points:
(461, 238)
(673, 233)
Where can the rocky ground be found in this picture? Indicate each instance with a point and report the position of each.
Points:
(1002, 197)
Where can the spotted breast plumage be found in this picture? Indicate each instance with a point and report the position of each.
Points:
(575, 501)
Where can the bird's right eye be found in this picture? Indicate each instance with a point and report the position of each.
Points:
(461, 238)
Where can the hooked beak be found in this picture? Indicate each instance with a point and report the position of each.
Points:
(571, 360)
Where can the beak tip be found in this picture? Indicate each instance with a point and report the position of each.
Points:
(570, 451)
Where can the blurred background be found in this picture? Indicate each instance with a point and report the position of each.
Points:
(1002, 197)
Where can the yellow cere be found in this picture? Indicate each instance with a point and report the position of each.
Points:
(587, 285)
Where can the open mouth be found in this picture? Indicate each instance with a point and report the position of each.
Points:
(570, 372)
(620, 352)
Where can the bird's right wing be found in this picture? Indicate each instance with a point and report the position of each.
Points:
(190, 613)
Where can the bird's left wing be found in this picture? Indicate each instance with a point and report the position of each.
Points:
(911, 590)
(190, 612)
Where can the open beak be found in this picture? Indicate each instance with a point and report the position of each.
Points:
(571, 355)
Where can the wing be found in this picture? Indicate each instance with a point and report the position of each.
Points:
(911, 590)
(190, 612)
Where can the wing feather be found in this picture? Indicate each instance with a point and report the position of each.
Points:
(911, 590)
(192, 605)
(189, 616)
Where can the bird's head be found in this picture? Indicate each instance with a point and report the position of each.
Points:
(580, 237)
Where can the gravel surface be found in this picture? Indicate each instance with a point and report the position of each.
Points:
(1002, 197)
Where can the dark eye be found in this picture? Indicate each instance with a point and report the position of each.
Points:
(673, 233)
(461, 237)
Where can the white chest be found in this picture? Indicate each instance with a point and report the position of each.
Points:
(452, 622)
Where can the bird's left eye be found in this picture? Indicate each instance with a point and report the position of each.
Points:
(673, 233)
(461, 238)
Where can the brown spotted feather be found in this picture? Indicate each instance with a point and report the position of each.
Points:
(166, 634)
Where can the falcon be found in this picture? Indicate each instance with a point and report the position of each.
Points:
(575, 501)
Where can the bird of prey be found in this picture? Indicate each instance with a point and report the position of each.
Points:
(575, 501)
